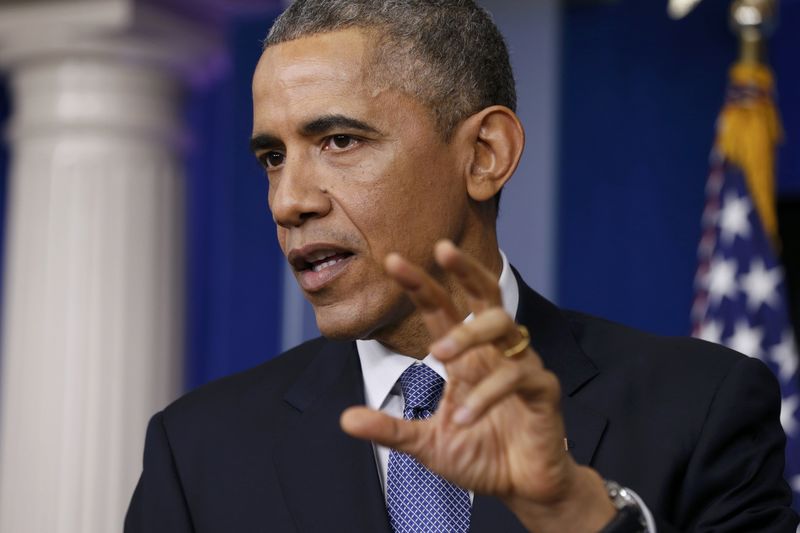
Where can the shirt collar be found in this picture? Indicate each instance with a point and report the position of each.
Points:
(382, 367)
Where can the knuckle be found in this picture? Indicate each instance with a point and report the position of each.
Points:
(518, 375)
(499, 317)
(397, 433)
(465, 334)
(551, 384)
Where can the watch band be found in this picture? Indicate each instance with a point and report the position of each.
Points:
(627, 520)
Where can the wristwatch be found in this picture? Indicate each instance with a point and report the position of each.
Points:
(629, 517)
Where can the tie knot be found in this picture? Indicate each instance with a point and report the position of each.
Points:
(422, 388)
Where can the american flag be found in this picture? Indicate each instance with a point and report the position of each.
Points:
(740, 298)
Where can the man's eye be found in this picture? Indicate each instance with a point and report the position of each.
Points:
(339, 142)
(273, 159)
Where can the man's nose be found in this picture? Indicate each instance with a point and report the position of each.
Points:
(298, 195)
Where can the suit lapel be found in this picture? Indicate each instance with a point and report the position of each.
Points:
(329, 480)
(555, 343)
(553, 340)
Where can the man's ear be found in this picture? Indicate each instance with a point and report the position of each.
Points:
(497, 139)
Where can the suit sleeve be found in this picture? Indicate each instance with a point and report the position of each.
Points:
(734, 479)
(158, 504)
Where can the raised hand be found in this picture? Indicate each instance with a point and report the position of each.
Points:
(498, 429)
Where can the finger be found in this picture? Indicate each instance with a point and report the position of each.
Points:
(427, 294)
(532, 384)
(479, 282)
(368, 424)
(492, 326)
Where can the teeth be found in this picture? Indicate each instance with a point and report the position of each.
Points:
(319, 256)
(326, 264)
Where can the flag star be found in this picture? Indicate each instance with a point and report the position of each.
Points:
(786, 357)
(745, 339)
(721, 279)
(788, 419)
(733, 217)
(711, 331)
(761, 285)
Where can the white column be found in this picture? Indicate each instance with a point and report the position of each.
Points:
(93, 291)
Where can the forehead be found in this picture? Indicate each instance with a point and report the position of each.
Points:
(315, 66)
(331, 73)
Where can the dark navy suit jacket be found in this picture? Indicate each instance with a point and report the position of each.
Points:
(692, 427)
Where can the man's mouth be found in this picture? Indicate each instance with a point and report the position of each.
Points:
(316, 266)
(325, 260)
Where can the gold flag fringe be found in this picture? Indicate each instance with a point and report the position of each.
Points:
(748, 132)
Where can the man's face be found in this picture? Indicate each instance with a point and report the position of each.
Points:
(354, 174)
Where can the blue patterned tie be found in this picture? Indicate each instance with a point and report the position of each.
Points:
(416, 498)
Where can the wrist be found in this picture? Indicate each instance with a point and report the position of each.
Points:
(585, 506)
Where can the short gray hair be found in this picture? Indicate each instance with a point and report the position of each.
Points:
(447, 53)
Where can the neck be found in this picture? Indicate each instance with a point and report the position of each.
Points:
(409, 335)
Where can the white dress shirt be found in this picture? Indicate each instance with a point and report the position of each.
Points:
(382, 368)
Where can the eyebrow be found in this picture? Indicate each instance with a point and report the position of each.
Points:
(326, 123)
(317, 126)
(264, 141)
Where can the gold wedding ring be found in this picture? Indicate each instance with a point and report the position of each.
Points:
(521, 345)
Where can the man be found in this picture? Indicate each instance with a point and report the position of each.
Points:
(387, 131)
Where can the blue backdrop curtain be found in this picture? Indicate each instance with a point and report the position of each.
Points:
(640, 97)
(235, 267)
(784, 47)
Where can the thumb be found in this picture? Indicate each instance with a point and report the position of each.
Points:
(368, 424)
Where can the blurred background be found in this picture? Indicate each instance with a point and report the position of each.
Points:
(140, 260)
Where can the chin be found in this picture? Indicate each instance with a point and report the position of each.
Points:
(347, 322)
(341, 328)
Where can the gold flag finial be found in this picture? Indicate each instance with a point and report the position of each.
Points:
(753, 21)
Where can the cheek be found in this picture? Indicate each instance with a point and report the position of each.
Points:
(401, 218)
(282, 238)
(271, 185)
(270, 194)
(400, 202)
